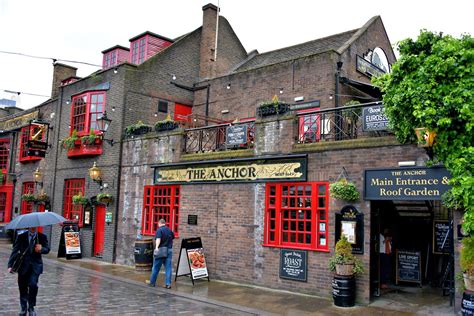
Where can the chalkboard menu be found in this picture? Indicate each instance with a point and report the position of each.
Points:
(408, 266)
(236, 135)
(440, 234)
(293, 265)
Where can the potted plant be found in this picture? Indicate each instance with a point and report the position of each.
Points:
(343, 261)
(28, 197)
(273, 107)
(79, 199)
(344, 190)
(90, 139)
(166, 125)
(70, 142)
(467, 262)
(105, 198)
(137, 129)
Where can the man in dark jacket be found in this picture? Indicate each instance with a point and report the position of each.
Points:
(163, 238)
(33, 244)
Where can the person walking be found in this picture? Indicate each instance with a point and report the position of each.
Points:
(33, 245)
(385, 258)
(163, 238)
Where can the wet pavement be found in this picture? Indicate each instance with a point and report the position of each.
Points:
(92, 287)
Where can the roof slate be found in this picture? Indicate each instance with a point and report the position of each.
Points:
(314, 47)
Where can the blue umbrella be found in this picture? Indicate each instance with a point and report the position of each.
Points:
(35, 219)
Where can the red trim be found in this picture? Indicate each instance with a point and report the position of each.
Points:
(82, 118)
(6, 200)
(4, 153)
(27, 207)
(294, 214)
(309, 126)
(99, 230)
(73, 212)
(160, 201)
(85, 150)
(295, 247)
(25, 136)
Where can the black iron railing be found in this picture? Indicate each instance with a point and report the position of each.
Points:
(333, 125)
(214, 138)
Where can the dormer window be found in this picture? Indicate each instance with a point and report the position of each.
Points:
(114, 56)
(145, 45)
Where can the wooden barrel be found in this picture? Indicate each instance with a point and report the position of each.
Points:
(467, 305)
(343, 290)
(143, 254)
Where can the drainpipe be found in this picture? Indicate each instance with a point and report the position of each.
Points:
(207, 102)
(336, 100)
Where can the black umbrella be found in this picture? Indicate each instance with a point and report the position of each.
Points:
(35, 219)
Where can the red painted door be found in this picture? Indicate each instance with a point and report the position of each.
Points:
(99, 230)
(6, 194)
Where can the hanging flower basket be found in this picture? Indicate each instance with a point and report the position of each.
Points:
(104, 198)
(344, 190)
(28, 197)
(42, 198)
(80, 200)
(425, 136)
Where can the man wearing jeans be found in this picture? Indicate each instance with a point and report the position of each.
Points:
(164, 238)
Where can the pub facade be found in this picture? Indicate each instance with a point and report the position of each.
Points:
(252, 143)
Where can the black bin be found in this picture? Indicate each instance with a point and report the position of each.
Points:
(343, 290)
(467, 305)
(143, 254)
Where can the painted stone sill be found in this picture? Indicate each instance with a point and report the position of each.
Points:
(347, 144)
(218, 155)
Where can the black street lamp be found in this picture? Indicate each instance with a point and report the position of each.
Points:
(103, 123)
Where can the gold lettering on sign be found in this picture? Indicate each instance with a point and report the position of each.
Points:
(225, 173)
(18, 122)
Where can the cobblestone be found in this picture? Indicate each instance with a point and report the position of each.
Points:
(73, 292)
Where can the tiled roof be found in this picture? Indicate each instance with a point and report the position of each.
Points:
(314, 47)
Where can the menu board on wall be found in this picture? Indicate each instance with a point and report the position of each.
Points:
(408, 266)
(293, 265)
(441, 237)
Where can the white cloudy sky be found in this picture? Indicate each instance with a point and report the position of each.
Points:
(80, 30)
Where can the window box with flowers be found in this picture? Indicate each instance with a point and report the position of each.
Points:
(87, 145)
(137, 129)
(92, 139)
(344, 190)
(272, 108)
(166, 125)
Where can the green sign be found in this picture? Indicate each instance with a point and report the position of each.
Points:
(108, 217)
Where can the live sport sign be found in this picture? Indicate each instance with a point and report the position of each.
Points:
(374, 119)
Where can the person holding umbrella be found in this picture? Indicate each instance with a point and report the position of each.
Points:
(26, 255)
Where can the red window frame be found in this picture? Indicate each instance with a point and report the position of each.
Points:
(27, 207)
(25, 137)
(296, 215)
(110, 59)
(138, 50)
(309, 126)
(160, 201)
(86, 108)
(71, 211)
(4, 153)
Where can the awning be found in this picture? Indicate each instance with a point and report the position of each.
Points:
(366, 88)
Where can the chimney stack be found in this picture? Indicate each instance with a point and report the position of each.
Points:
(208, 41)
(60, 73)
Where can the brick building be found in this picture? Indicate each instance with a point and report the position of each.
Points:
(256, 178)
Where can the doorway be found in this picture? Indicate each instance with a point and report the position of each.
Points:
(99, 230)
(412, 266)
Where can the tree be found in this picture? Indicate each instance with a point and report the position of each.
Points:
(431, 86)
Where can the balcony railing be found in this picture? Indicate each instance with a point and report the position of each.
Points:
(334, 125)
(219, 137)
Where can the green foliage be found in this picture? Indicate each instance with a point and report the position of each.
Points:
(431, 86)
(467, 255)
(104, 198)
(69, 142)
(137, 129)
(344, 190)
(28, 197)
(343, 255)
(89, 139)
(79, 199)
